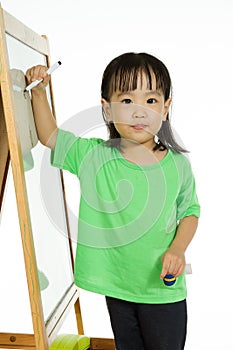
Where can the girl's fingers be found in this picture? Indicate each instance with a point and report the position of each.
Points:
(39, 72)
(36, 73)
(180, 271)
(172, 265)
(164, 271)
(175, 267)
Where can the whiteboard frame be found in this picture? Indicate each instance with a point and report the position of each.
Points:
(44, 331)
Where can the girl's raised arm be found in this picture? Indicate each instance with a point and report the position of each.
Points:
(45, 122)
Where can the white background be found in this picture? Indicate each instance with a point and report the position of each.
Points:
(194, 39)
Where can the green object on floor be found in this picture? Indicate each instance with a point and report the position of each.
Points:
(70, 342)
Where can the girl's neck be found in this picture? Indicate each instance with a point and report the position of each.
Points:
(140, 154)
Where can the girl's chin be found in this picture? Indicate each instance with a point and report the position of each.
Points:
(133, 141)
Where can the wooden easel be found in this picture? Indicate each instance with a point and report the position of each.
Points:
(10, 151)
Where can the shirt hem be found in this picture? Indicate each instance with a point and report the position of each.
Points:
(173, 297)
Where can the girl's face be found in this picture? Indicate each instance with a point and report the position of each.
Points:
(138, 114)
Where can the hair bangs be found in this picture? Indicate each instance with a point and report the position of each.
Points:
(128, 78)
(125, 72)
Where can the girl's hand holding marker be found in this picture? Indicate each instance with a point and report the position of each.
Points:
(40, 74)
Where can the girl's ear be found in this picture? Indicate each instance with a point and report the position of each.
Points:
(106, 109)
(167, 105)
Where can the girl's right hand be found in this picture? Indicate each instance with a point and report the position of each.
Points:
(36, 73)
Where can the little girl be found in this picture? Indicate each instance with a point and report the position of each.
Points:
(138, 208)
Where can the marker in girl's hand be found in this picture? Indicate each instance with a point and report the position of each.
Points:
(49, 71)
(169, 280)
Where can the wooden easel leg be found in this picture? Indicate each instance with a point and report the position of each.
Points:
(78, 315)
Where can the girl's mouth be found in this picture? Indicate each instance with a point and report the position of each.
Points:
(139, 126)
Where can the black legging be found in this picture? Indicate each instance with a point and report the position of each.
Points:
(139, 326)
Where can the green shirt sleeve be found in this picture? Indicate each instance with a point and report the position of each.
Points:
(187, 201)
(70, 150)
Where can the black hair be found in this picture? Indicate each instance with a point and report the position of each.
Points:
(121, 74)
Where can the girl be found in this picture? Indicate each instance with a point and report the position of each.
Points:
(138, 208)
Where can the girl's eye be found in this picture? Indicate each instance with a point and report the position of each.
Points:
(126, 101)
(151, 100)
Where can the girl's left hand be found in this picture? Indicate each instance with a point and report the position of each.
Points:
(173, 262)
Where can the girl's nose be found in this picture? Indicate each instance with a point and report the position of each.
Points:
(139, 112)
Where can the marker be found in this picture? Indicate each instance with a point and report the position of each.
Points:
(49, 71)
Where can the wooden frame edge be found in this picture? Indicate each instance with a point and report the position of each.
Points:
(16, 341)
(21, 195)
(102, 344)
(56, 319)
(18, 30)
(43, 336)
